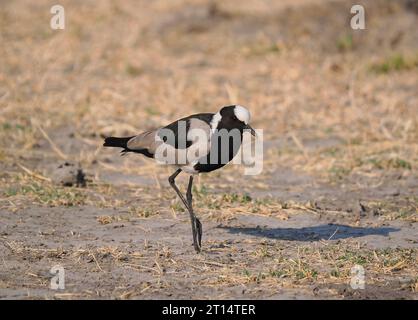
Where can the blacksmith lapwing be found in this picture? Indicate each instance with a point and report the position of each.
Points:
(193, 144)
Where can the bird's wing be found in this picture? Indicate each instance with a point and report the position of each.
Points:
(144, 141)
(186, 140)
(181, 142)
(176, 133)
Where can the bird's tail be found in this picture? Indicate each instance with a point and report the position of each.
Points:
(116, 142)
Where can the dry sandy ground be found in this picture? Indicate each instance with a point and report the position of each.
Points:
(339, 186)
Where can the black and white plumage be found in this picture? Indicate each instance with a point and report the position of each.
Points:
(195, 145)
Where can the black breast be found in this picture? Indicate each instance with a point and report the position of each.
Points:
(225, 144)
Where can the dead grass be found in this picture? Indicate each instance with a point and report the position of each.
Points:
(269, 266)
(24, 186)
(396, 62)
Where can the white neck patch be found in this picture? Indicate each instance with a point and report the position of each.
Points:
(242, 114)
(215, 121)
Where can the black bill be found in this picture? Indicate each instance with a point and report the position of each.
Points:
(249, 128)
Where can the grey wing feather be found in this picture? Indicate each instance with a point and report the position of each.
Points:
(198, 133)
(145, 140)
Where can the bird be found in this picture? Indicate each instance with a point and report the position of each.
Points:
(194, 144)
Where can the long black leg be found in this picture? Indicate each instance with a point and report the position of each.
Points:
(195, 221)
(172, 182)
(199, 232)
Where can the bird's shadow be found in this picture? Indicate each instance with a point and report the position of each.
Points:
(321, 232)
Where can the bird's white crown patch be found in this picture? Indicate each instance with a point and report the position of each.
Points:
(242, 114)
